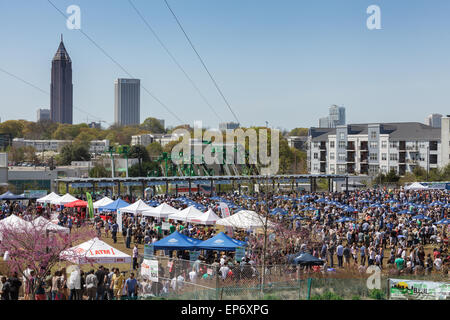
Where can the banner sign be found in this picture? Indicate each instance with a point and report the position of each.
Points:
(401, 289)
(225, 214)
(304, 180)
(149, 270)
(35, 194)
(222, 182)
(156, 183)
(90, 205)
(165, 226)
(132, 184)
(202, 182)
(149, 251)
(81, 185)
(240, 253)
(106, 184)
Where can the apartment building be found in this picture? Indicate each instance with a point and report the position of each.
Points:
(96, 146)
(370, 149)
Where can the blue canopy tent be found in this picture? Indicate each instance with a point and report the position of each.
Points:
(278, 211)
(443, 221)
(345, 219)
(113, 206)
(405, 211)
(309, 209)
(177, 241)
(437, 203)
(11, 196)
(221, 242)
(420, 217)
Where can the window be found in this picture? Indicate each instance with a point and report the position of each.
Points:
(342, 168)
(393, 168)
(393, 156)
(316, 155)
(316, 144)
(332, 144)
(373, 156)
(384, 144)
(331, 155)
(316, 167)
(342, 157)
(342, 145)
(332, 168)
(384, 169)
(341, 136)
(384, 156)
(373, 144)
(393, 144)
(373, 134)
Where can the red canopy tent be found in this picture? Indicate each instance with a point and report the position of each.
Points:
(77, 204)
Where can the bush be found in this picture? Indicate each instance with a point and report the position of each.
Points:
(377, 294)
(356, 298)
(271, 297)
(327, 295)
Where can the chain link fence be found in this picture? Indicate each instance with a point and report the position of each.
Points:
(189, 280)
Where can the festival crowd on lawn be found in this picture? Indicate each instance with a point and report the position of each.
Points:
(400, 231)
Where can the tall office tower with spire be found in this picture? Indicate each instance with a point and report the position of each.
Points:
(61, 88)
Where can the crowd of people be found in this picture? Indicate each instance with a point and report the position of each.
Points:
(400, 231)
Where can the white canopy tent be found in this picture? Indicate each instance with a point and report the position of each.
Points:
(245, 219)
(102, 202)
(207, 218)
(188, 213)
(416, 186)
(14, 223)
(135, 208)
(65, 199)
(48, 225)
(94, 251)
(161, 211)
(48, 198)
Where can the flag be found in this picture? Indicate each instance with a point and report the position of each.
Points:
(90, 205)
(225, 214)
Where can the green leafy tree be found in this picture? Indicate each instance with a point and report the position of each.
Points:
(13, 127)
(299, 132)
(153, 125)
(154, 149)
(73, 152)
(99, 171)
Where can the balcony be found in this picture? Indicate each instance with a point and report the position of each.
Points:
(402, 145)
(323, 146)
(351, 146)
(364, 146)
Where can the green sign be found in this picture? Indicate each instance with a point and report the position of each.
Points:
(149, 251)
(240, 253)
(401, 289)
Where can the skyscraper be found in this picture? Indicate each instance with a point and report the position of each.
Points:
(434, 120)
(61, 88)
(127, 102)
(335, 118)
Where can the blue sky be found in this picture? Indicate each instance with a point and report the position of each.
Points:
(284, 61)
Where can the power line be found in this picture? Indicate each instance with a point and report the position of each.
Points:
(118, 64)
(42, 90)
(174, 59)
(201, 60)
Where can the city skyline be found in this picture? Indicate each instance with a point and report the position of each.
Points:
(399, 73)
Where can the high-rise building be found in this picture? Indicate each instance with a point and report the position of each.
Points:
(61, 88)
(336, 117)
(43, 114)
(127, 102)
(434, 120)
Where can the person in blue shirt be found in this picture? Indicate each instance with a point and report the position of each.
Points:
(363, 255)
(131, 286)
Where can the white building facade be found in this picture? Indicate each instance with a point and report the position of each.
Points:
(370, 149)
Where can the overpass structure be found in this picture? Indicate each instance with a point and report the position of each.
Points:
(144, 182)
